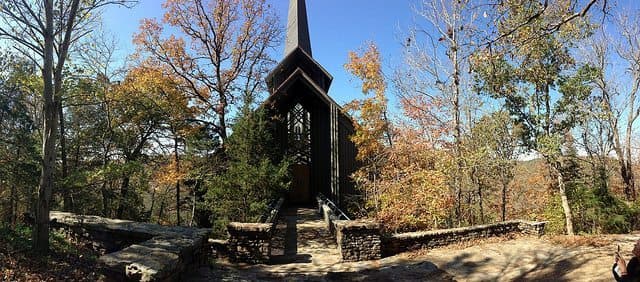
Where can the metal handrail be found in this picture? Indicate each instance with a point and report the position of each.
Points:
(333, 206)
(272, 211)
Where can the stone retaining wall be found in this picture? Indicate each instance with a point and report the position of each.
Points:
(150, 252)
(358, 240)
(402, 242)
(362, 240)
(251, 242)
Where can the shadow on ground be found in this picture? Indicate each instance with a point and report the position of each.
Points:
(304, 250)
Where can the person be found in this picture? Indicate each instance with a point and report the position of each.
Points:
(628, 272)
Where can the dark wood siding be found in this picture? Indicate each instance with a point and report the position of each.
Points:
(331, 163)
(348, 152)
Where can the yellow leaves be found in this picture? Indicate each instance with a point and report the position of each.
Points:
(149, 92)
(410, 188)
(406, 183)
(168, 175)
(372, 124)
(367, 67)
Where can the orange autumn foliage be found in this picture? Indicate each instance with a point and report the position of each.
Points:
(216, 49)
(403, 177)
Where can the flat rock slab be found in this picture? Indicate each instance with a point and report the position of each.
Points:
(117, 226)
(161, 254)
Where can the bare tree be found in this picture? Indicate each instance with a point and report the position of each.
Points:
(619, 105)
(220, 52)
(435, 74)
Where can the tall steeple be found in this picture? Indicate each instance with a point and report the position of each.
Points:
(297, 28)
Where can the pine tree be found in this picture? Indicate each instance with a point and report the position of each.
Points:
(253, 177)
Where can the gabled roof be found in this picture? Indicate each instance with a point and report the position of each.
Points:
(298, 58)
(300, 75)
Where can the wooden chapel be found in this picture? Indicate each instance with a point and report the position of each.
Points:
(309, 126)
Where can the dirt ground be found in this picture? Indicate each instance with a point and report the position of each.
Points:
(307, 252)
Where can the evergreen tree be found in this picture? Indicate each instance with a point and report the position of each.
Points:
(253, 176)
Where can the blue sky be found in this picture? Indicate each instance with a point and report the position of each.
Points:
(336, 27)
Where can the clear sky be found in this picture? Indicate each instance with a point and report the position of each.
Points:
(336, 27)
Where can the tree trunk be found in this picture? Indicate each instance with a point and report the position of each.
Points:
(457, 133)
(629, 188)
(193, 208)
(161, 211)
(124, 194)
(41, 226)
(177, 157)
(629, 177)
(565, 201)
(13, 203)
(153, 203)
(504, 200)
(66, 194)
(105, 200)
(480, 204)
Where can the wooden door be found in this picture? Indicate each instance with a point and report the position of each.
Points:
(300, 192)
(299, 149)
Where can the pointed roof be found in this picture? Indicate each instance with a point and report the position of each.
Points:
(297, 28)
(298, 53)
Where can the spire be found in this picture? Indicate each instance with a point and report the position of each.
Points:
(297, 28)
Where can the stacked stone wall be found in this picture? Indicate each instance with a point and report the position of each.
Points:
(358, 240)
(251, 242)
(403, 242)
(137, 251)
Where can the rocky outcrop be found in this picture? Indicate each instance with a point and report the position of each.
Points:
(137, 251)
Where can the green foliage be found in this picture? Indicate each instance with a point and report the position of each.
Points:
(19, 152)
(253, 177)
(554, 215)
(597, 211)
(17, 238)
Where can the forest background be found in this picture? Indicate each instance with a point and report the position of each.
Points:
(511, 109)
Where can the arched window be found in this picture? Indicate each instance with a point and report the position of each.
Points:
(299, 131)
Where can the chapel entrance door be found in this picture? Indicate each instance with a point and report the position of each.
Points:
(299, 149)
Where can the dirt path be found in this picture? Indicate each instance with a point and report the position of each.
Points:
(305, 251)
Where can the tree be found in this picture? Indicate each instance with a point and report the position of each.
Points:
(433, 86)
(494, 141)
(620, 106)
(402, 175)
(523, 70)
(176, 113)
(141, 107)
(254, 175)
(18, 145)
(220, 52)
(372, 135)
(44, 32)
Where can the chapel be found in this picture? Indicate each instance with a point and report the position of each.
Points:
(309, 126)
